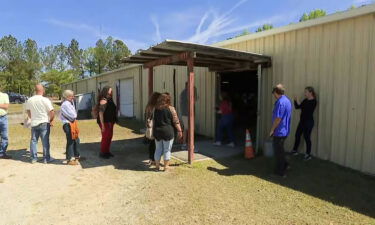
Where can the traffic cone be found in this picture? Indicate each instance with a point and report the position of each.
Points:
(249, 150)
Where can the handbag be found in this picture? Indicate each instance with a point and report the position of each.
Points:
(150, 127)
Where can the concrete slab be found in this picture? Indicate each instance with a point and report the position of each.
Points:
(207, 151)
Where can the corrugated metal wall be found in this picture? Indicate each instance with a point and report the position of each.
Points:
(205, 84)
(91, 85)
(338, 60)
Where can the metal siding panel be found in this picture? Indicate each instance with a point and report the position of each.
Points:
(341, 106)
(368, 156)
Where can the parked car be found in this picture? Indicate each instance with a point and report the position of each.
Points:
(17, 98)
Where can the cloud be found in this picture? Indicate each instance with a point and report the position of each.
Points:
(157, 36)
(216, 26)
(133, 45)
(362, 2)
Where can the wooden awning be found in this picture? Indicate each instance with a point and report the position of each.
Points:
(172, 52)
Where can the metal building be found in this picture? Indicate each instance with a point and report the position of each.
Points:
(335, 54)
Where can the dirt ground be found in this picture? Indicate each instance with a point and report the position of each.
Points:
(123, 190)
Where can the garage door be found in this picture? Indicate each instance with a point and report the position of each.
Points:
(126, 98)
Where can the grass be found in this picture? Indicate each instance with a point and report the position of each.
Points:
(18, 108)
(229, 191)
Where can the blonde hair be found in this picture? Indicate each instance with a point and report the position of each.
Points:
(67, 93)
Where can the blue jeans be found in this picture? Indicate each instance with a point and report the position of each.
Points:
(225, 123)
(42, 131)
(3, 134)
(72, 146)
(163, 148)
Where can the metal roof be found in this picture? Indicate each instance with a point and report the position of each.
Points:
(215, 58)
(351, 13)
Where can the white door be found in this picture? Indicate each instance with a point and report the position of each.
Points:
(126, 98)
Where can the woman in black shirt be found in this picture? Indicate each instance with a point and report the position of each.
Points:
(165, 123)
(306, 123)
(106, 119)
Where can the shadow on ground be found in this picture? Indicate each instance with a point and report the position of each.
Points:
(318, 178)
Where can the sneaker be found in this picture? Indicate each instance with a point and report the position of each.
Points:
(294, 152)
(72, 163)
(232, 145)
(218, 143)
(5, 156)
(33, 161)
(110, 154)
(45, 161)
(307, 157)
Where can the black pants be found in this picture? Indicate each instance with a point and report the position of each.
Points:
(305, 128)
(281, 163)
(72, 146)
(151, 150)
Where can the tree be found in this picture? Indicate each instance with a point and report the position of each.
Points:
(101, 56)
(61, 52)
(118, 52)
(75, 58)
(243, 33)
(49, 57)
(32, 64)
(264, 27)
(55, 78)
(313, 15)
(89, 61)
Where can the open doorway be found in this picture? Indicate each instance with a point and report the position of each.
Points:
(242, 88)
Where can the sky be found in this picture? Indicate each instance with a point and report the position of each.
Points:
(143, 23)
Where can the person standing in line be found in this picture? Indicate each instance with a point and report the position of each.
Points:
(4, 104)
(68, 116)
(149, 114)
(184, 111)
(40, 110)
(226, 121)
(281, 119)
(165, 123)
(306, 123)
(106, 120)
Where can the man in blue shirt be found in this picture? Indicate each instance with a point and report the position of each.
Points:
(281, 118)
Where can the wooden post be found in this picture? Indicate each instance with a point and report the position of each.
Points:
(150, 81)
(191, 102)
(257, 143)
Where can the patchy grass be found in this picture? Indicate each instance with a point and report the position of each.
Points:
(18, 108)
(123, 190)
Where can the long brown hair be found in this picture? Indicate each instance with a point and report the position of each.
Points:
(311, 90)
(103, 94)
(164, 101)
(152, 101)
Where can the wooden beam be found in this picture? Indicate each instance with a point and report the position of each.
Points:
(191, 103)
(150, 81)
(184, 56)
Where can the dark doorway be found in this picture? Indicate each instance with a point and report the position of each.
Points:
(242, 88)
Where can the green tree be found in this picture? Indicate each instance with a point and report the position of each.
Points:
(264, 27)
(49, 57)
(89, 61)
(61, 52)
(101, 56)
(313, 15)
(32, 65)
(118, 52)
(55, 78)
(75, 58)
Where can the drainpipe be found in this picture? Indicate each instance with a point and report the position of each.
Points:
(257, 144)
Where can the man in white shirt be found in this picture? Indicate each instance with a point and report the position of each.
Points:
(41, 112)
(4, 104)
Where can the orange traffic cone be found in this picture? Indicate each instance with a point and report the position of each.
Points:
(249, 150)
